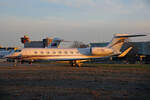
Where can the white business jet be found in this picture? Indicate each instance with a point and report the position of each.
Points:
(74, 55)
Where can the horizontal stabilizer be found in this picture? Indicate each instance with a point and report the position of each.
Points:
(125, 52)
(127, 35)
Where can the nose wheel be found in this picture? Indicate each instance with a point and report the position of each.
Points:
(30, 62)
(15, 62)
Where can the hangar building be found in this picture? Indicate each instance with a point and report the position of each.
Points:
(45, 43)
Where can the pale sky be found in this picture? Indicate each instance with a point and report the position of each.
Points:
(82, 20)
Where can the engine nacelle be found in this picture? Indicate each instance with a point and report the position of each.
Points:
(101, 51)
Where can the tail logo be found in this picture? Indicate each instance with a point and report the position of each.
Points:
(119, 41)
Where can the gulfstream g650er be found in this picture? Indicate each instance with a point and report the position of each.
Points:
(74, 55)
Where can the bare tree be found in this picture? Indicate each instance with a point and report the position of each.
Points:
(77, 44)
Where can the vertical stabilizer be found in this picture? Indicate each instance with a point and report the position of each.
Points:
(55, 43)
(117, 42)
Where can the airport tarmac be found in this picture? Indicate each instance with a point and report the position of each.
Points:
(63, 82)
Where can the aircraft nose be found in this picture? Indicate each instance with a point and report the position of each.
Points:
(10, 55)
(7, 56)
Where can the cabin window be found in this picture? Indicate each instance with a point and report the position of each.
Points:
(77, 52)
(66, 52)
(42, 52)
(35, 52)
(71, 52)
(54, 52)
(48, 52)
(59, 52)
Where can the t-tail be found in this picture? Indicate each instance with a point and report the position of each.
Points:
(118, 41)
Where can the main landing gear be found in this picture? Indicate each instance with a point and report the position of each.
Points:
(75, 63)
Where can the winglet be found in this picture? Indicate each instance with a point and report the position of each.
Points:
(125, 52)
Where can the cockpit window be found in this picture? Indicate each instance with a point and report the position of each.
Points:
(17, 50)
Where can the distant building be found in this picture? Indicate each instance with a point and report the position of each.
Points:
(143, 47)
(104, 44)
(34, 44)
(45, 43)
(31, 44)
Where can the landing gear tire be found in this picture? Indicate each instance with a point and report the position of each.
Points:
(30, 62)
(71, 63)
(21, 62)
(75, 64)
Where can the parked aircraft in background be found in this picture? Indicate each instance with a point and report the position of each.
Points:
(55, 42)
(75, 55)
(6, 51)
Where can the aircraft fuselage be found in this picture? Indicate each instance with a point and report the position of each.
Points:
(62, 54)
